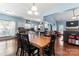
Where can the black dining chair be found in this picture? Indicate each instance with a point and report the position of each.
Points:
(49, 50)
(19, 40)
(27, 47)
(18, 37)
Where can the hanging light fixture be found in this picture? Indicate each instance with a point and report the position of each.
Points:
(36, 13)
(30, 12)
(33, 10)
(74, 16)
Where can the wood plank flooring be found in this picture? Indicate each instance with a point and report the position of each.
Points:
(71, 50)
(8, 48)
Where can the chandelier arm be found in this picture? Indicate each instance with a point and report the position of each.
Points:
(77, 15)
(73, 12)
(33, 4)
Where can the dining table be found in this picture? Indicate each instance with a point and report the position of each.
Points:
(40, 42)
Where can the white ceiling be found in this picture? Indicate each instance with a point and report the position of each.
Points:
(66, 15)
(20, 9)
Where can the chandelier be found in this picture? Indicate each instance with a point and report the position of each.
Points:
(33, 10)
(74, 16)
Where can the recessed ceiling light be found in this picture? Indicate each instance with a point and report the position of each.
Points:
(30, 12)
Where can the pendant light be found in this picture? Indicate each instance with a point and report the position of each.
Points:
(74, 16)
(33, 10)
(30, 12)
(36, 13)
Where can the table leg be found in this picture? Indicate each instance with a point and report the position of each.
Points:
(41, 52)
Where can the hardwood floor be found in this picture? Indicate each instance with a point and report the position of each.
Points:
(71, 50)
(8, 48)
(59, 46)
(65, 49)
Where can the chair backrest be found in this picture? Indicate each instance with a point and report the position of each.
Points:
(25, 42)
(52, 44)
(18, 37)
(53, 40)
(21, 30)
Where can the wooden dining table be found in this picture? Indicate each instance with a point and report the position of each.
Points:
(40, 42)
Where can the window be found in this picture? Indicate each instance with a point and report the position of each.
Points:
(7, 28)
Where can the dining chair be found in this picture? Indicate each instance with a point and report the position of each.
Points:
(49, 50)
(18, 37)
(27, 47)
